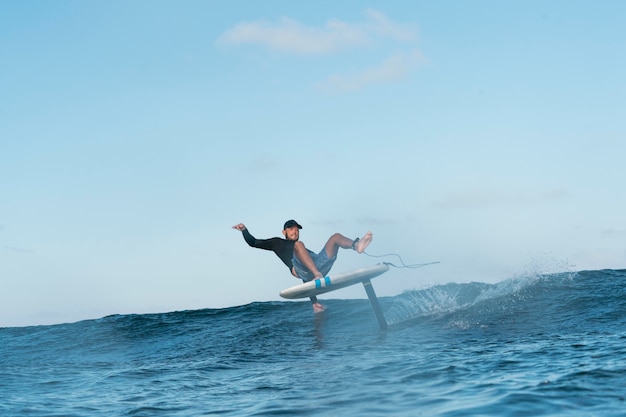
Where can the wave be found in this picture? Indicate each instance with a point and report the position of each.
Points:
(533, 302)
(483, 345)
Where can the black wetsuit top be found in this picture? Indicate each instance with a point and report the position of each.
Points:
(283, 248)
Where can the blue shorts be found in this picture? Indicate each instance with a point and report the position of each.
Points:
(321, 261)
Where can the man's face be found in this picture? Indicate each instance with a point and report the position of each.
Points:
(292, 233)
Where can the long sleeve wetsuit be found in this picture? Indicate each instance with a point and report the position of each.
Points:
(283, 248)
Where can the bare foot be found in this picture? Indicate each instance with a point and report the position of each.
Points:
(363, 242)
(318, 308)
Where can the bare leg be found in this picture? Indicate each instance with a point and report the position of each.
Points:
(303, 255)
(317, 306)
(335, 242)
(332, 246)
(338, 240)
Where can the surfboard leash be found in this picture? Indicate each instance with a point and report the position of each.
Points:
(413, 266)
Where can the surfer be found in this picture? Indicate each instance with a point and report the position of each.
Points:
(303, 263)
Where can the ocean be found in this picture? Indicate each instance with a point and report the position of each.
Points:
(540, 345)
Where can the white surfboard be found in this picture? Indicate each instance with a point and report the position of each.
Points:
(334, 282)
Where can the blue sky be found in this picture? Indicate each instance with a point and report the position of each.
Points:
(486, 135)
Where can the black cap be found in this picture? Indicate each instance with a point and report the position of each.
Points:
(291, 223)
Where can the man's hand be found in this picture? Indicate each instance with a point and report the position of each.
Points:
(241, 227)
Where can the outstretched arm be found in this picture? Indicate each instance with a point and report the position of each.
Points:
(251, 240)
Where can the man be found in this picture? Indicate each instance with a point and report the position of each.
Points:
(303, 263)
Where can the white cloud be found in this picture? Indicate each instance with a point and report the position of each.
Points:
(395, 68)
(289, 35)
(376, 31)
(381, 24)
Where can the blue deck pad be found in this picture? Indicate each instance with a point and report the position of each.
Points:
(319, 284)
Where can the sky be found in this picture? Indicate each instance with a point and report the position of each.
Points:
(487, 136)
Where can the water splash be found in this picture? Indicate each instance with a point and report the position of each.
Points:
(441, 300)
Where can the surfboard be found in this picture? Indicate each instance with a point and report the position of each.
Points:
(334, 282)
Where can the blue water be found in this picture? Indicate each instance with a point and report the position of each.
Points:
(536, 345)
